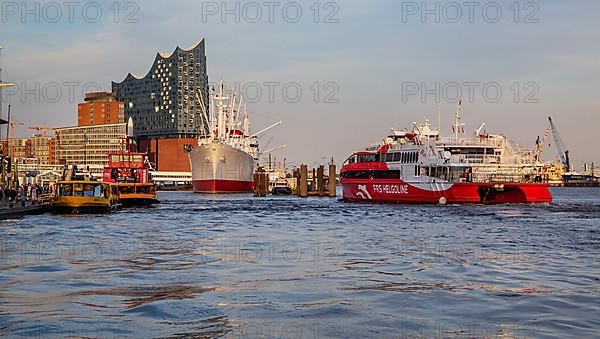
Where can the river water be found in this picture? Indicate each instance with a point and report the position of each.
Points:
(242, 267)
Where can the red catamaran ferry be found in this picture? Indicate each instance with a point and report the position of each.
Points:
(419, 166)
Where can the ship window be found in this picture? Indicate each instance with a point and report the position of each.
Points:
(78, 190)
(357, 174)
(386, 174)
(368, 158)
(91, 191)
(66, 190)
(389, 157)
(404, 158)
(397, 157)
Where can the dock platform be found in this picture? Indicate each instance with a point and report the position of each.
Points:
(18, 211)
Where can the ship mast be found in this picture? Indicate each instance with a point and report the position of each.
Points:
(458, 127)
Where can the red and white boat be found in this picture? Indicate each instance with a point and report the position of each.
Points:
(225, 158)
(419, 166)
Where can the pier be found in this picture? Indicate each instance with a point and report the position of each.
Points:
(313, 182)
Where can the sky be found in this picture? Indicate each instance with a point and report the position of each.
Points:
(338, 74)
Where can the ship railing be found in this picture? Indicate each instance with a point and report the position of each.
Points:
(492, 178)
(476, 159)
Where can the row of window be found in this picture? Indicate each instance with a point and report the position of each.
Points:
(402, 157)
(390, 174)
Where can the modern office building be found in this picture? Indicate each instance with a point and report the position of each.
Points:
(100, 108)
(89, 145)
(42, 149)
(165, 105)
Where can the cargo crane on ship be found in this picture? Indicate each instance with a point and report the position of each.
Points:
(560, 147)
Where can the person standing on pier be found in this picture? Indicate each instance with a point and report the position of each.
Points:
(33, 194)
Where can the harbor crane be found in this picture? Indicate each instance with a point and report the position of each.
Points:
(560, 147)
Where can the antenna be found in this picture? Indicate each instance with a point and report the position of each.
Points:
(439, 117)
(457, 117)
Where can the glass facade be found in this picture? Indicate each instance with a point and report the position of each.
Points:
(164, 103)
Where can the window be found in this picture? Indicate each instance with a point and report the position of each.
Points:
(368, 158)
(78, 190)
(386, 174)
(66, 190)
(357, 174)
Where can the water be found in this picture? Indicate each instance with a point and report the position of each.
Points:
(240, 267)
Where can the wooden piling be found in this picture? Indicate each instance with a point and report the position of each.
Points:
(331, 182)
(321, 180)
(261, 184)
(303, 185)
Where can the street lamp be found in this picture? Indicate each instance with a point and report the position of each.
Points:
(7, 122)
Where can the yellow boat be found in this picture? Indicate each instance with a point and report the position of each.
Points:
(84, 197)
(137, 194)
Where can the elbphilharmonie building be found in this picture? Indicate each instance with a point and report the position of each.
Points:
(164, 103)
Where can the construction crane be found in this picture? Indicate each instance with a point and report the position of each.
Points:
(13, 125)
(40, 129)
(560, 147)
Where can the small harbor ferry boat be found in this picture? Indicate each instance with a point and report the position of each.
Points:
(420, 166)
(130, 173)
(281, 187)
(84, 196)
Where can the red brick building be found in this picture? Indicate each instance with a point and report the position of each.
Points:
(100, 108)
(168, 155)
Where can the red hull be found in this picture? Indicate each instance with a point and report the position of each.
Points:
(222, 186)
(397, 191)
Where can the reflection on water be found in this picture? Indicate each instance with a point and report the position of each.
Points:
(240, 267)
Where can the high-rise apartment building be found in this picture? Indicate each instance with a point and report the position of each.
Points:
(100, 108)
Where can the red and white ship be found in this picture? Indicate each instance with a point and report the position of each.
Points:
(420, 166)
(224, 160)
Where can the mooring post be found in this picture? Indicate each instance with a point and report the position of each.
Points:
(331, 183)
(321, 180)
(265, 184)
(303, 188)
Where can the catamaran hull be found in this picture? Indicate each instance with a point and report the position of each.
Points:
(398, 191)
(219, 168)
